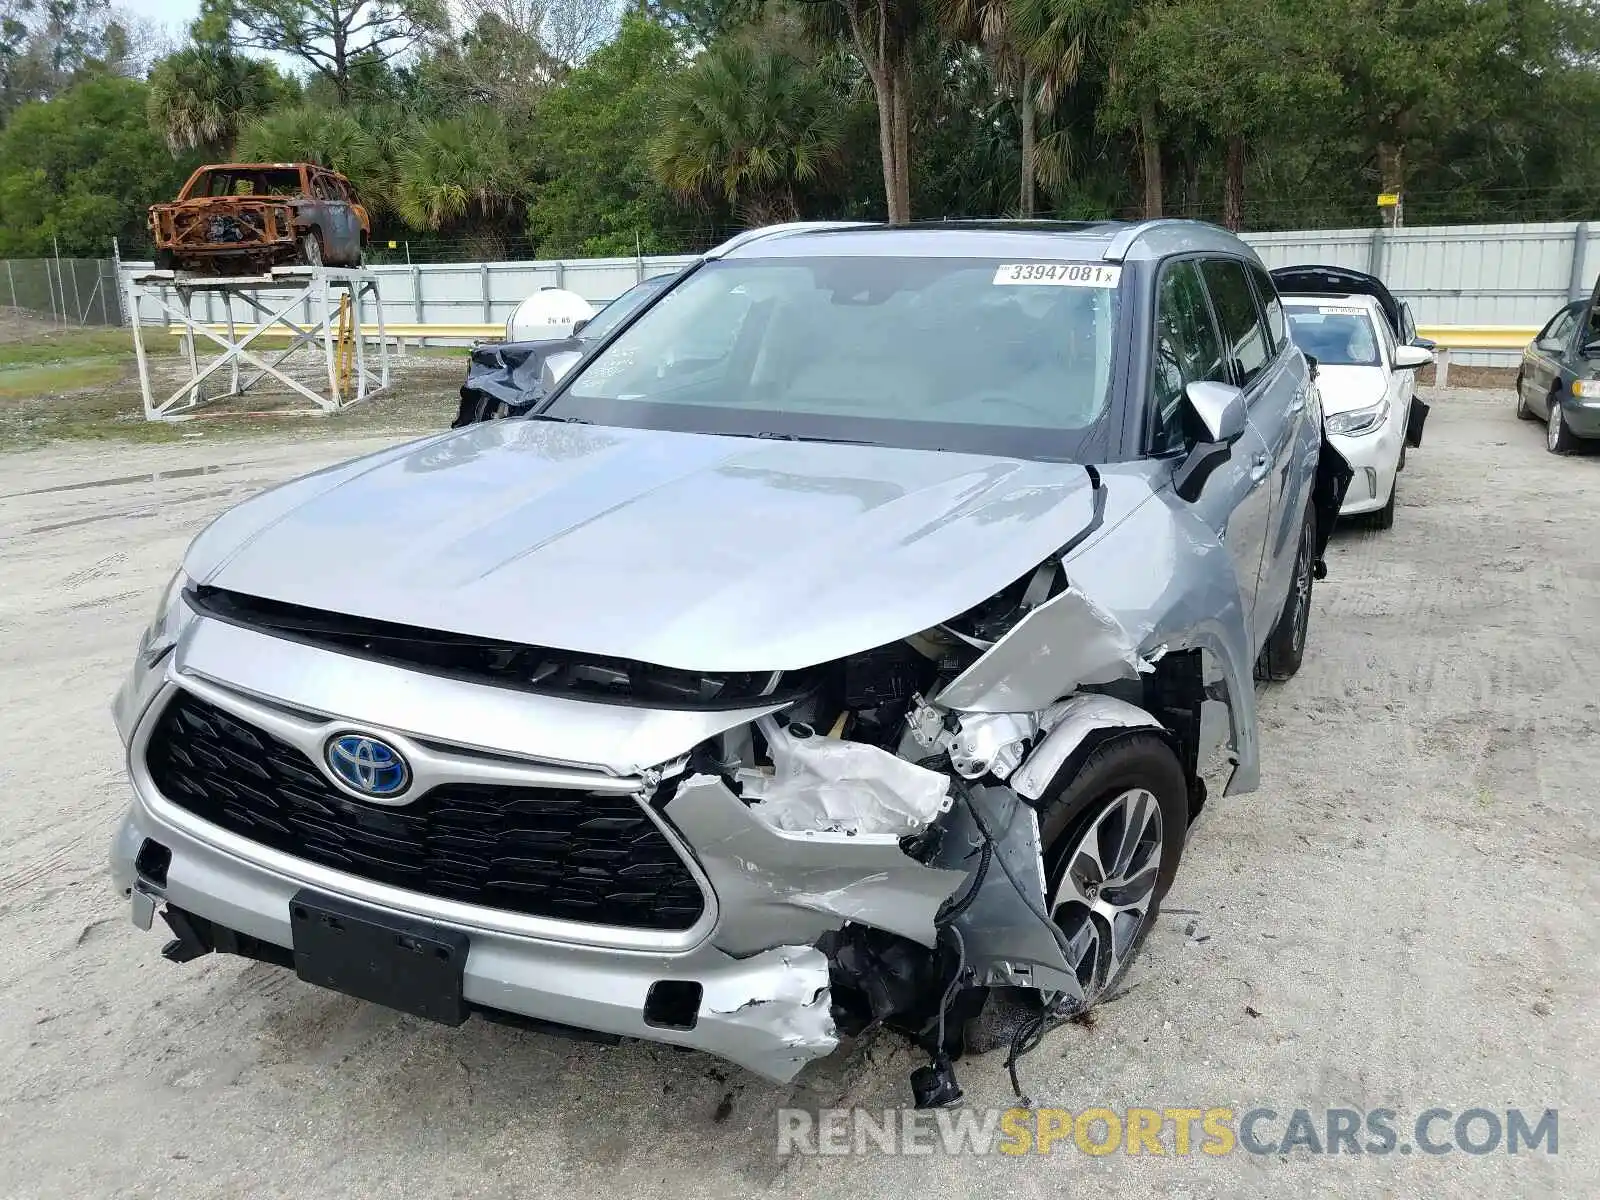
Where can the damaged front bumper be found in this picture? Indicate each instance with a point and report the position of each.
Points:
(768, 1012)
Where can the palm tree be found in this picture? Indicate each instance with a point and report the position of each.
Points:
(988, 24)
(747, 125)
(336, 138)
(200, 95)
(882, 36)
(1058, 35)
(455, 169)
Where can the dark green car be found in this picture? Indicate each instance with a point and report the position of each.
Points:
(1559, 380)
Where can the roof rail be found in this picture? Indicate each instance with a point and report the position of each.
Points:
(1123, 242)
(752, 235)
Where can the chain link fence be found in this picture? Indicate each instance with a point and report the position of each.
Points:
(66, 292)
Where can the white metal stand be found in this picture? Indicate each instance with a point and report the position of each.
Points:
(270, 299)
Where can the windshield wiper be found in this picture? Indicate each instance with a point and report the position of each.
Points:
(544, 416)
(769, 436)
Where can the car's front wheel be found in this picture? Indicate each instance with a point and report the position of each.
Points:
(1384, 517)
(1112, 840)
(1286, 644)
(1559, 438)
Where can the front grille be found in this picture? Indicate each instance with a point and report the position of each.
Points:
(546, 852)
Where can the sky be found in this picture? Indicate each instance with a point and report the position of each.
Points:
(175, 15)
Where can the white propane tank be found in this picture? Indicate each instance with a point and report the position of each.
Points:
(549, 313)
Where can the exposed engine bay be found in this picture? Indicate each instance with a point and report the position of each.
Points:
(902, 833)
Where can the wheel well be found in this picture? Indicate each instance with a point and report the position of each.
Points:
(1174, 693)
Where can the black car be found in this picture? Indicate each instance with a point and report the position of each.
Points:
(506, 379)
(1559, 380)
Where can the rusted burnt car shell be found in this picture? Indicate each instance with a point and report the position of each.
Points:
(252, 216)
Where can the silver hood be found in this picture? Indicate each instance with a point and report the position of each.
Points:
(684, 550)
(1346, 388)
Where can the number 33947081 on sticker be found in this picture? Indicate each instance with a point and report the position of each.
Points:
(1058, 274)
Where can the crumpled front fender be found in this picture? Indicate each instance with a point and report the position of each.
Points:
(777, 887)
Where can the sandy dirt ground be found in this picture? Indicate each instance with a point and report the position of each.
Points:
(1406, 915)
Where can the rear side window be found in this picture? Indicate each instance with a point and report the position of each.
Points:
(1277, 328)
(1187, 349)
(1242, 332)
(1556, 334)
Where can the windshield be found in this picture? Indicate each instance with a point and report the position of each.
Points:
(226, 181)
(961, 354)
(1335, 335)
(613, 314)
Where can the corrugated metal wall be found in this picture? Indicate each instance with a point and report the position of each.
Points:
(460, 293)
(1459, 274)
(1450, 275)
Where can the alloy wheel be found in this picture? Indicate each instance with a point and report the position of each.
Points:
(1107, 888)
(1302, 592)
(1552, 428)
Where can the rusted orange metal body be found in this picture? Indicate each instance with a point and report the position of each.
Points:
(253, 216)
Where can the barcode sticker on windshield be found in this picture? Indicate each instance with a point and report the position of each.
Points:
(1095, 275)
(1337, 310)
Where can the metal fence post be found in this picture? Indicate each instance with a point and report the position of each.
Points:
(483, 273)
(77, 301)
(1375, 253)
(12, 279)
(61, 284)
(416, 293)
(116, 280)
(1580, 251)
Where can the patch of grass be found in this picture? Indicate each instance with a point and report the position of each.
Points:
(57, 377)
(70, 345)
(98, 399)
(33, 419)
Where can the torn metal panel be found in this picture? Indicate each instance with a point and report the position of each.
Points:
(1168, 572)
(833, 785)
(980, 744)
(1006, 943)
(506, 379)
(1068, 723)
(776, 887)
(1067, 642)
(784, 994)
(1333, 477)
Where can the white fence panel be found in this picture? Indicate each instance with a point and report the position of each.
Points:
(1450, 275)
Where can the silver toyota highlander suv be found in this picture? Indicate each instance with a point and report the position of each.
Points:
(842, 642)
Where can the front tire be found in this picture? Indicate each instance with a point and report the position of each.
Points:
(1384, 517)
(1559, 438)
(311, 249)
(1286, 644)
(1112, 840)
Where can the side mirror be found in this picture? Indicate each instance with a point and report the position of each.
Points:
(578, 326)
(1409, 358)
(1218, 409)
(1427, 344)
(1591, 349)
